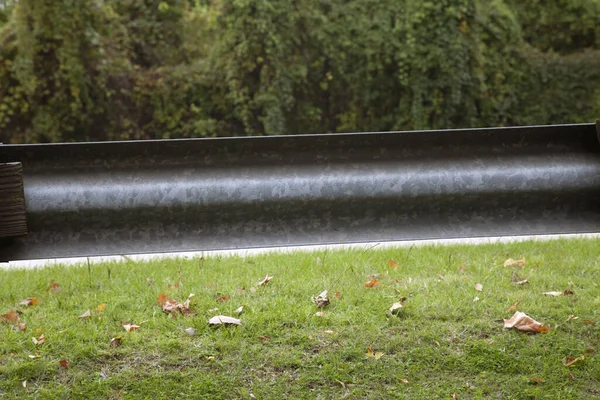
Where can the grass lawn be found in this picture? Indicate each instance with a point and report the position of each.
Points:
(448, 340)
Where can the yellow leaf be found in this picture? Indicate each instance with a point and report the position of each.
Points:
(101, 307)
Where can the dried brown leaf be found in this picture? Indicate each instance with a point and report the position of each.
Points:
(30, 301)
(86, 314)
(224, 320)
(53, 287)
(223, 298)
(321, 300)
(524, 323)
(573, 361)
(174, 307)
(63, 363)
(392, 264)
(403, 380)
(162, 298)
(514, 263)
(568, 292)
(396, 308)
(115, 342)
(22, 326)
(589, 322)
(264, 339)
(514, 306)
(265, 281)
(337, 295)
(131, 327)
(149, 281)
(372, 283)
(39, 341)
(536, 380)
(11, 316)
(479, 287)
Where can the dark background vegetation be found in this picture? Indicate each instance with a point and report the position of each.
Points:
(78, 70)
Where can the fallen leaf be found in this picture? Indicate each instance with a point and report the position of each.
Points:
(372, 283)
(131, 327)
(30, 301)
(392, 264)
(589, 322)
(265, 281)
(162, 298)
(39, 341)
(64, 363)
(321, 300)
(224, 320)
(403, 380)
(523, 282)
(589, 352)
(571, 376)
(174, 307)
(570, 283)
(53, 287)
(264, 339)
(475, 299)
(536, 380)
(22, 326)
(148, 281)
(555, 294)
(373, 354)
(396, 308)
(568, 292)
(223, 299)
(514, 306)
(524, 323)
(101, 307)
(479, 287)
(337, 295)
(319, 314)
(11, 316)
(454, 396)
(514, 263)
(34, 357)
(86, 314)
(115, 342)
(572, 361)
(239, 310)
(190, 331)
(24, 383)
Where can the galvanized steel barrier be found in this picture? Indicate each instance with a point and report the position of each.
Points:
(89, 199)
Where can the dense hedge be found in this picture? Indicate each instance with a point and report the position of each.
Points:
(131, 69)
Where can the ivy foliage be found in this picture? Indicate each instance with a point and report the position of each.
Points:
(136, 69)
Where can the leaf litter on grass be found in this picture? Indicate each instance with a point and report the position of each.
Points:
(524, 323)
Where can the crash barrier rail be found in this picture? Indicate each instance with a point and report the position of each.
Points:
(110, 198)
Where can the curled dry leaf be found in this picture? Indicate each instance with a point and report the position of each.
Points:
(30, 301)
(22, 326)
(223, 299)
(39, 341)
(403, 380)
(174, 307)
(337, 295)
(11, 316)
(372, 283)
(536, 380)
(162, 298)
(265, 281)
(568, 292)
(224, 320)
(514, 263)
(523, 282)
(479, 287)
(573, 361)
(524, 323)
(86, 314)
(115, 342)
(131, 327)
(396, 308)
(392, 264)
(63, 363)
(240, 310)
(321, 300)
(373, 354)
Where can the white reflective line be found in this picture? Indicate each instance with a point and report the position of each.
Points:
(25, 264)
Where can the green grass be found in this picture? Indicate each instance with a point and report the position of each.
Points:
(443, 343)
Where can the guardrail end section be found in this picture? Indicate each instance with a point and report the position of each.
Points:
(13, 221)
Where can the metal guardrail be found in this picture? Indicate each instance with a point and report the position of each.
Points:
(90, 199)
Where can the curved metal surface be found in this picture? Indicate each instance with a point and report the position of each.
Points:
(88, 199)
